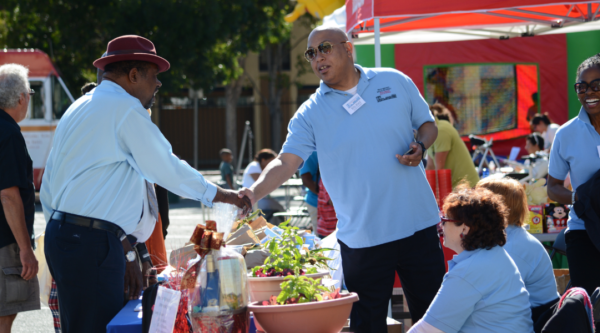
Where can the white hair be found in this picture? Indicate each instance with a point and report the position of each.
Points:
(13, 83)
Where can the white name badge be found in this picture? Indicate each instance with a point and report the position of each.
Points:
(354, 104)
(598, 151)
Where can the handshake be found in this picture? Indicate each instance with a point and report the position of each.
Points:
(243, 198)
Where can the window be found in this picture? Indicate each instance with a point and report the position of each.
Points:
(484, 99)
(36, 104)
(60, 99)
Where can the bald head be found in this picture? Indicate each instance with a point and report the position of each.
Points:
(330, 32)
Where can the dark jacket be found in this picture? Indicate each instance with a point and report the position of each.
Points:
(587, 207)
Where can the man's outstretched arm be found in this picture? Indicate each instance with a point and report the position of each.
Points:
(275, 174)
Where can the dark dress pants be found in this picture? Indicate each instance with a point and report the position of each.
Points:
(419, 261)
(89, 268)
(584, 260)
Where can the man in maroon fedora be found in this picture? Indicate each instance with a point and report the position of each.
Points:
(94, 190)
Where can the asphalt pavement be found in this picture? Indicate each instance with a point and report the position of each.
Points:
(183, 217)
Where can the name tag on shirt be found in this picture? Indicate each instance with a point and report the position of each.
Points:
(354, 104)
(598, 151)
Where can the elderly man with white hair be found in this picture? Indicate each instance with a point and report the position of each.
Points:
(19, 288)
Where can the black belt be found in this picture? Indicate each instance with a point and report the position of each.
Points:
(87, 222)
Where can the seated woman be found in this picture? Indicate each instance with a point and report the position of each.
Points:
(538, 158)
(542, 124)
(482, 291)
(526, 251)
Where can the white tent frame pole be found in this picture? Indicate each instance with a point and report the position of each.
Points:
(377, 45)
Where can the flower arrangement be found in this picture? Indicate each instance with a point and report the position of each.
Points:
(301, 289)
(286, 257)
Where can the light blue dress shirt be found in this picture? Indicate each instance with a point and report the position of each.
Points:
(576, 149)
(533, 263)
(104, 147)
(481, 293)
(377, 199)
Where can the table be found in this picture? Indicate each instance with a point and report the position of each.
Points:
(545, 237)
(292, 182)
(127, 320)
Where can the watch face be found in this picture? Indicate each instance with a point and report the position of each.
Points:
(130, 256)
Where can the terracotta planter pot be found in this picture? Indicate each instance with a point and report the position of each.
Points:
(262, 288)
(315, 317)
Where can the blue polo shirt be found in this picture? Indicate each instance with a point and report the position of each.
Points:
(311, 166)
(533, 263)
(481, 293)
(377, 199)
(575, 150)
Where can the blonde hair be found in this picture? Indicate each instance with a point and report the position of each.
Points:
(514, 197)
(441, 112)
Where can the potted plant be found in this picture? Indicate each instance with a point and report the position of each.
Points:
(285, 257)
(301, 298)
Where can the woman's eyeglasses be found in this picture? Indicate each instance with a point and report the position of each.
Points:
(446, 219)
(325, 48)
(31, 92)
(582, 87)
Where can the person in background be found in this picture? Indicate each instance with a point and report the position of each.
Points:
(575, 151)
(526, 251)
(226, 169)
(19, 287)
(268, 205)
(311, 179)
(531, 112)
(449, 151)
(538, 158)
(483, 290)
(534, 143)
(88, 87)
(542, 124)
(327, 220)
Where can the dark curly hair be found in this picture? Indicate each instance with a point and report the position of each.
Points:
(593, 61)
(484, 213)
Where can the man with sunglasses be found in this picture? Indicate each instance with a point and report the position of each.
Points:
(19, 288)
(360, 121)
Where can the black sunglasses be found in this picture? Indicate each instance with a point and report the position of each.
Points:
(582, 87)
(325, 48)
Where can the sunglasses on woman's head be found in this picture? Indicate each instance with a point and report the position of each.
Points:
(582, 87)
(325, 48)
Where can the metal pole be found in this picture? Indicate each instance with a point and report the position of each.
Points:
(241, 155)
(195, 129)
(250, 138)
(377, 45)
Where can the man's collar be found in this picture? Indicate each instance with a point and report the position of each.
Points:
(108, 84)
(365, 76)
(4, 115)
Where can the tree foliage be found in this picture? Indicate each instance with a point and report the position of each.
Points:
(201, 39)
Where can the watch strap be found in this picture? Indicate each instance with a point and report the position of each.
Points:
(573, 197)
(422, 149)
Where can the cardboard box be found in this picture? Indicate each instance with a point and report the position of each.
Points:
(562, 277)
(242, 236)
(536, 219)
(556, 217)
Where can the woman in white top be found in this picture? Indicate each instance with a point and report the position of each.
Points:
(542, 124)
(268, 205)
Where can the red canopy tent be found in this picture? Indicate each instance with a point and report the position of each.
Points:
(486, 18)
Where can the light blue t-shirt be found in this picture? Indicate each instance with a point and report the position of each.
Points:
(377, 199)
(311, 166)
(576, 149)
(481, 293)
(533, 263)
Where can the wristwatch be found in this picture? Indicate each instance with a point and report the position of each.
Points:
(130, 256)
(573, 198)
(423, 149)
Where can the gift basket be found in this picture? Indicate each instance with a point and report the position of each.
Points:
(218, 302)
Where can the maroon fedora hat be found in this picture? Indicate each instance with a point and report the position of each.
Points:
(131, 47)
